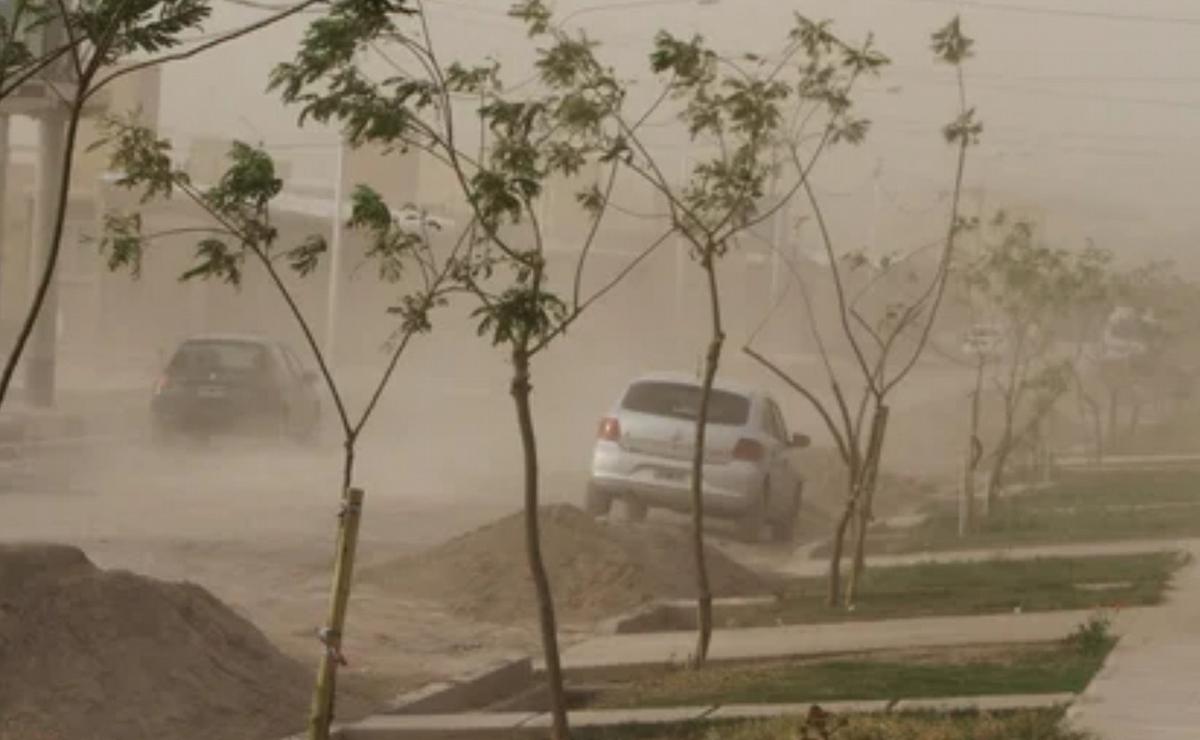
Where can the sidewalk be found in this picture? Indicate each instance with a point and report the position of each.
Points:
(621, 652)
(1149, 688)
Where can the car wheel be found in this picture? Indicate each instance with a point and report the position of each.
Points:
(597, 502)
(752, 521)
(783, 530)
(635, 509)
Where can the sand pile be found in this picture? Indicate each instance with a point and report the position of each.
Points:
(597, 570)
(88, 654)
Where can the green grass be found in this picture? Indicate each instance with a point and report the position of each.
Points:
(987, 587)
(1019, 669)
(1116, 488)
(1083, 508)
(955, 589)
(1044, 724)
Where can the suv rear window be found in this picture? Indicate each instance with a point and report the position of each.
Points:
(682, 401)
(234, 357)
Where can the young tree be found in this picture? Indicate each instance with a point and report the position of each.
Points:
(983, 344)
(1032, 290)
(1143, 353)
(886, 347)
(573, 127)
(87, 46)
(242, 236)
(741, 110)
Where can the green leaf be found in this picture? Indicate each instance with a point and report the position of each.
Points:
(368, 210)
(535, 14)
(950, 44)
(122, 243)
(305, 256)
(215, 260)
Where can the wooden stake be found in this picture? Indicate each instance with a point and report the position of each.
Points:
(343, 571)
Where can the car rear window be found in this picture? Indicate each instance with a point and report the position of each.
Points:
(232, 357)
(682, 401)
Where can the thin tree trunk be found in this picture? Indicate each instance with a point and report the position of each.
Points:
(1135, 418)
(870, 477)
(712, 361)
(966, 516)
(996, 479)
(1114, 397)
(1090, 416)
(324, 706)
(834, 596)
(521, 388)
(325, 692)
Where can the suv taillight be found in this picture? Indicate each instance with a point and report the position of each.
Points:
(750, 450)
(610, 429)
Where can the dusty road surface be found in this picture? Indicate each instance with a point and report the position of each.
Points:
(255, 524)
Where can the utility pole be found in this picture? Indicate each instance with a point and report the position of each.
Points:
(41, 364)
(335, 256)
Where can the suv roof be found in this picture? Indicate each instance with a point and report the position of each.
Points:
(239, 338)
(688, 379)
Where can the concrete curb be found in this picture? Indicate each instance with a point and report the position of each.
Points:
(520, 725)
(673, 614)
(621, 656)
(474, 690)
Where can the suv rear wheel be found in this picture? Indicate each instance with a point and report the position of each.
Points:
(635, 509)
(596, 502)
(783, 530)
(752, 521)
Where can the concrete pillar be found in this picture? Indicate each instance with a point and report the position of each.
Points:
(40, 361)
(3, 196)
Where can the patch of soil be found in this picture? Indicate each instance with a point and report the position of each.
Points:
(597, 569)
(90, 654)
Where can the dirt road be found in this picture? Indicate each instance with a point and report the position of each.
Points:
(255, 525)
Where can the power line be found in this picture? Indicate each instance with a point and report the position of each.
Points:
(1100, 15)
(1059, 94)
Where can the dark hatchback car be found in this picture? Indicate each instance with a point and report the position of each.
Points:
(235, 385)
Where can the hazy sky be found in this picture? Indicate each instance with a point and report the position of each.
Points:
(1091, 107)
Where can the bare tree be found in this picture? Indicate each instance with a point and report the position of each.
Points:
(885, 349)
(1032, 290)
(574, 126)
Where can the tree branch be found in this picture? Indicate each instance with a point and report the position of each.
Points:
(224, 39)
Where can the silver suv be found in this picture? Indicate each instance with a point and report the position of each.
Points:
(644, 450)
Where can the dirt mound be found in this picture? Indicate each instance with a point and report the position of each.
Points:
(597, 570)
(109, 655)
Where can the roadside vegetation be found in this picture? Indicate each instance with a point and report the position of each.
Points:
(989, 587)
(946, 589)
(885, 676)
(1126, 506)
(1027, 725)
